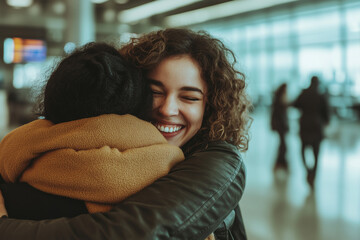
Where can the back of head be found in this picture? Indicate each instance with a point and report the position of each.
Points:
(95, 80)
(314, 82)
(281, 89)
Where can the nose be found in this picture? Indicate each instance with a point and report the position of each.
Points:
(169, 106)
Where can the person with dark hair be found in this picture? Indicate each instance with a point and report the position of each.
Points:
(199, 104)
(94, 80)
(88, 147)
(314, 116)
(280, 124)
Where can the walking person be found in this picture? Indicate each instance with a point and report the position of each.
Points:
(314, 117)
(280, 124)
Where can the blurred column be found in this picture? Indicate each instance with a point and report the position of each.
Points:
(294, 43)
(81, 25)
(4, 113)
(344, 46)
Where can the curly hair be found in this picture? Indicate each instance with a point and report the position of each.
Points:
(226, 114)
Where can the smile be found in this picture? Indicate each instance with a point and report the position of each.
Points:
(168, 128)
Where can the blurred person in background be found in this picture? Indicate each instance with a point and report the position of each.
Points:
(314, 117)
(196, 90)
(280, 124)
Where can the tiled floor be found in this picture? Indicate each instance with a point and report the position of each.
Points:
(281, 206)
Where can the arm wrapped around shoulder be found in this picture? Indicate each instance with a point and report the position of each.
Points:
(188, 203)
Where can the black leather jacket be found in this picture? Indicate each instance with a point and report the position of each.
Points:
(191, 202)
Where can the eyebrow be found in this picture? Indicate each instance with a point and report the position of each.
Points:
(185, 88)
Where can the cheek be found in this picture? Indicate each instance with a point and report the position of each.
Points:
(156, 103)
(196, 116)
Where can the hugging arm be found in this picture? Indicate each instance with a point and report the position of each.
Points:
(189, 203)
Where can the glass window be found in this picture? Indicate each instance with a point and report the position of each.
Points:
(353, 68)
(291, 45)
(283, 64)
(324, 61)
(318, 27)
(353, 22)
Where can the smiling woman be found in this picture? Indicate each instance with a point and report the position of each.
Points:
(199, 104)
(179, 98)
(182, 59)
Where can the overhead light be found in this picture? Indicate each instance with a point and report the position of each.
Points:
(219, 11)
(98, 1)
(69, 47)
(59, 7)
(121, 1)
(152, 8)
(19, 3)
(109, 15)
(9, 48)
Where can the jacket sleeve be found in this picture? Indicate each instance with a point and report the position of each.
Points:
(189, 203)
(25, 202)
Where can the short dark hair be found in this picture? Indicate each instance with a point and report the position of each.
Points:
(314, 81)
(94, 80)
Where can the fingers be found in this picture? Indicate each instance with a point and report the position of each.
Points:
(3, 211)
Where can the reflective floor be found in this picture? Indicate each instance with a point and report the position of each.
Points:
(281, 206)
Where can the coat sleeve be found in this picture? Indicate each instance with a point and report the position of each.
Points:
(25, 202)
(189, 203)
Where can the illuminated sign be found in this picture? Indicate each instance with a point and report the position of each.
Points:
(19, 50)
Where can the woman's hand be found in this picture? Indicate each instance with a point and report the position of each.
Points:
(2, 206)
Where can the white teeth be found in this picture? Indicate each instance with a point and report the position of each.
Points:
(168, 129)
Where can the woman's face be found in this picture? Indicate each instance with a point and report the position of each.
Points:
(179, 98)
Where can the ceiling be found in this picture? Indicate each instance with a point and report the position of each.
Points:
(51, 19)
(114, 11)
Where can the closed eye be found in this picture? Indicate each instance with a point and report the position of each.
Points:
(193, 99)
(154, 92)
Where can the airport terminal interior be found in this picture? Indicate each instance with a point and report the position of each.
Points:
(274, 41)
